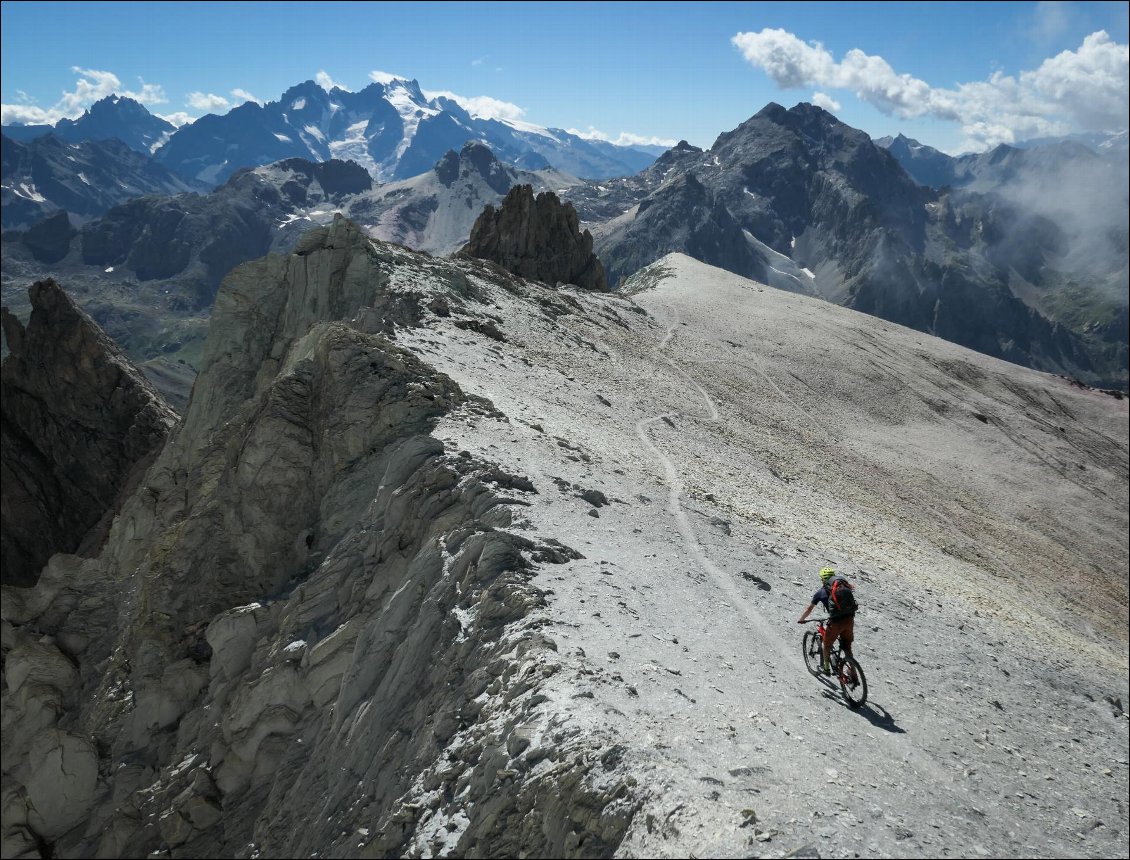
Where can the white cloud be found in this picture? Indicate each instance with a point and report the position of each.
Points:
(385, 77)
(1085, 89)
(26, 115)
(484, 107)
(242, 96)
(327, 83)
(826, 101)
(91, 86)
(209, 102)
(625, 138)
(178, 119)
(478, 62)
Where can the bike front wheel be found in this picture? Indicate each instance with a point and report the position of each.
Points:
(813, 649)
(853, 682)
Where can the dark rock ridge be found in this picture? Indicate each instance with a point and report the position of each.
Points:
(49, 241)
(79, 423)
(193, 239)
(312, 629)
(537, 238)
(87, 178)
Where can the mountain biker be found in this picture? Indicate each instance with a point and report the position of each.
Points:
(841, 622)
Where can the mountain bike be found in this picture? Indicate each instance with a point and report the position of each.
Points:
(845, 669)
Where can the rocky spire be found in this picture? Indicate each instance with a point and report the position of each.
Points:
(537, 238)
(77, 417)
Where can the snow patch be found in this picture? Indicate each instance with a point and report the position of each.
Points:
(355, 147)
(159, 142)
(528, 128)
(109, 269)
(315, 132)
(298, 104)
(283, 138)
(82, 176)
(410, 110)
(28, 192)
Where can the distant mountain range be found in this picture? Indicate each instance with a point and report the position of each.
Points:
(391, 129)
(112, 117)
(799, 200)
(45, 174)
(1027, 261)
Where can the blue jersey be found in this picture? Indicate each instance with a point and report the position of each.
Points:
(822, 596)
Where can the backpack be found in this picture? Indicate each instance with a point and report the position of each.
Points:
(841, 598)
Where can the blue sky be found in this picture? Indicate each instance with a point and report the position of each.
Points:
(954, 75)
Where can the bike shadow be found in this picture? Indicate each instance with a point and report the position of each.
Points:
(871, 711)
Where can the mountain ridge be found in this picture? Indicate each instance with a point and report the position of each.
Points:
(393, 129)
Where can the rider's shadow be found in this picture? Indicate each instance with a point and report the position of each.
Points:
(880, 718)
(875, 714)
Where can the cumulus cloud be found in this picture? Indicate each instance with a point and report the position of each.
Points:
(178, 119)
(92, 85)
(209, 102)
(826, 101)
(1082, 89)
(385, 77)
(483, 107)
(625, 138)
(241, 96)
(327, 83)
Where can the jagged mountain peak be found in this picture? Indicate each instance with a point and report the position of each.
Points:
(475, 158)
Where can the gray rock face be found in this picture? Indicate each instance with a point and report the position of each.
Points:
(311, 629)
(537, 238)
(50, 240)
(78, 421)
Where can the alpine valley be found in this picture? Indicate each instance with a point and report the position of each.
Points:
(383, 480)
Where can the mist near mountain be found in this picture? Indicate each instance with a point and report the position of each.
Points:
(799, 200)
(1085, 193)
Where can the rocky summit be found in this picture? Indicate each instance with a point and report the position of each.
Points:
(79, 425)
(537, 238)
(442, 561)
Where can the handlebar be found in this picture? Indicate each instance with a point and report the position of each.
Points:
(810, 620)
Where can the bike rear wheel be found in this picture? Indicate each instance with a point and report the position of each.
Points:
(813, 651)
(853, 682)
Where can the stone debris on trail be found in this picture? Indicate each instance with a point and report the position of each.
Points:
(362, 607)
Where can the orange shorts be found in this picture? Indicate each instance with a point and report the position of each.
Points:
(842, 628)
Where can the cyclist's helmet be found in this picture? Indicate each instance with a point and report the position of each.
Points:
(826, 573)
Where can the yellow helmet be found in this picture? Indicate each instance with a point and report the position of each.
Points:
(826, 573)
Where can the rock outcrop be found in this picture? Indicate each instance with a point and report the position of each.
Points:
(537, 238)
(312, 630)
(50, 240)
(79, 422)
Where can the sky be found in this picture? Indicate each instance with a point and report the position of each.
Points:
(957, 76)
